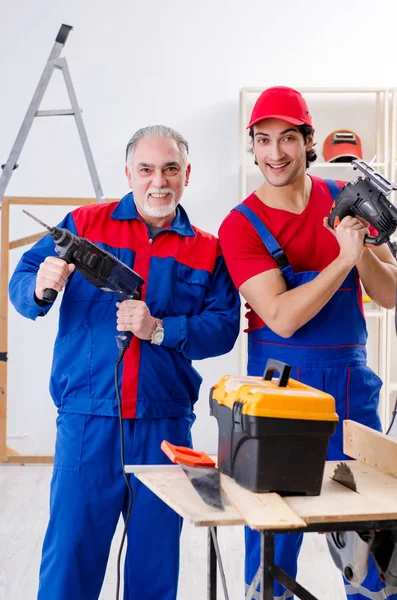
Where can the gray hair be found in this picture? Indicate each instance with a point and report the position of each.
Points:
(157, 131)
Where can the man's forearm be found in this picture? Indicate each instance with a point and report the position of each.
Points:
(298, 306)
(379, 279)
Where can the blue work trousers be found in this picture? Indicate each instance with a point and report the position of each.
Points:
(88, 494)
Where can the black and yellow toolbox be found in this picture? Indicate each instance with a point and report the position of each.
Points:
(273, 433)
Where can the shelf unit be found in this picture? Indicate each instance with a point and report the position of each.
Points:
(372, 114)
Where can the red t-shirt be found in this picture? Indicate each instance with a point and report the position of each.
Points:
(308, 245)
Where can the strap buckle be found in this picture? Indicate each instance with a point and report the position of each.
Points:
(281, 258)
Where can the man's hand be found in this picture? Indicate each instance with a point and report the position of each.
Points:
(52, 273)
(350, 233)
(134, 315)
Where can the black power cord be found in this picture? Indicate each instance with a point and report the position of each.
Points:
(393, 418)
(130, 492)
(123, 340)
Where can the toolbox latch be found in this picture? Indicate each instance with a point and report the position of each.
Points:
(237, 417)
(276, 366)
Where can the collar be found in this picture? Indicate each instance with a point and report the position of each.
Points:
(126, 210)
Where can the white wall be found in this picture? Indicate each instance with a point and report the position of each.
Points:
(180, 63)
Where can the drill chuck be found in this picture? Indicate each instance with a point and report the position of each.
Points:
(62, 237)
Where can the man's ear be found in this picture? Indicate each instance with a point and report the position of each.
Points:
(187, 176)
(310, 141)
(128, 175)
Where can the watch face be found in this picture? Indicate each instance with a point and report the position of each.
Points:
(158, 337)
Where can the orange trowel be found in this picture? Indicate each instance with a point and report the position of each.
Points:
(201, 471)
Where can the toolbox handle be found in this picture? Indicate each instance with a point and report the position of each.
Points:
(276, 366)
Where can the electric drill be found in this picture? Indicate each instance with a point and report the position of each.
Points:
(98, 267)
(366, 198)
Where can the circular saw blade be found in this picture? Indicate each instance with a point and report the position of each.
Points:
(344, 475)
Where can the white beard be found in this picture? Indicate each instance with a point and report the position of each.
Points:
(159, 211)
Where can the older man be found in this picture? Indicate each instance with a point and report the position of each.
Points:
(189, 310)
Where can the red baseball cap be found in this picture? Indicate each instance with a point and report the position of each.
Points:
(282, 103)
(342, 145)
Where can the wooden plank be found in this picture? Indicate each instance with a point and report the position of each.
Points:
(370, 447)
(151, 468)
(5, 216)
(12, 452)
(261, 511)
(374, 484)
(30, 239)
(337, 503)
(376, 500)
(29, 200)
(175, 489)
(24, 459)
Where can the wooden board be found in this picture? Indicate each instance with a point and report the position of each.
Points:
(151, 468)
(31, 201)
(261, 511)
(25, 459)
(5, 216)
(337, 503)
(175, 489)
(30, 239)
(376, 499)
(374, 484)
(370, 447)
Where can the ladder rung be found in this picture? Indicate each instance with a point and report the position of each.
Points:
(54, 113)
(54, 62)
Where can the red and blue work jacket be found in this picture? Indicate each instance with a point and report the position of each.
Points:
(187, 285)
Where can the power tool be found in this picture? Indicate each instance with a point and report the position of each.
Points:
(350, 550)
(99, 267)
(366, 198)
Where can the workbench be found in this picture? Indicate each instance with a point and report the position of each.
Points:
(337, 508)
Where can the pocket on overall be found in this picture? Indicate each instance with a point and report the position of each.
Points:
(190, 289)
(70, 376)
(69, 441)
(363, 391)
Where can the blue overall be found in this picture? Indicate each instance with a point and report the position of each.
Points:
(81, 526)
(329, 354)
(188, 286)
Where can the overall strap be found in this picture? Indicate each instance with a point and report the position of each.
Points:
(268, 239)
(333, 187)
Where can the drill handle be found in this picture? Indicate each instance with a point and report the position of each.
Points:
(65, 244)
(341, 210)
(123, 339)
(49, 295)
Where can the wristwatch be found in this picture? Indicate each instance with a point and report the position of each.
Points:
(158, 333)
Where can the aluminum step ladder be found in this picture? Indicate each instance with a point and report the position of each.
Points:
(54, 62)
